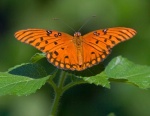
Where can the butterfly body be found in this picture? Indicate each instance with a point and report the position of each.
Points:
(77, 40)
(75, 52)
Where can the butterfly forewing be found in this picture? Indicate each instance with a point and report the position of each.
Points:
(43, 40)
(110, 37)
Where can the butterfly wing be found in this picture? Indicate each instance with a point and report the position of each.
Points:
(97, 44)
(62, 52)
(58, 46)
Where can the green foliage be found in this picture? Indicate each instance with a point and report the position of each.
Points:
(26, 78)
(124, 70)
(100, 79)
(19, 85)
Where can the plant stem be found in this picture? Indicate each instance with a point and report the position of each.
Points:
(58, 93)
(55, 104)
(59, 89)
(73, 84)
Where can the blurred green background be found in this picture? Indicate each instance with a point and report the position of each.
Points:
(83, 100)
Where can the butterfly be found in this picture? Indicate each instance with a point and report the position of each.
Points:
(75, 52)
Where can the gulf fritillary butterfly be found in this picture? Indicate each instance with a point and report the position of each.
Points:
(75, 52)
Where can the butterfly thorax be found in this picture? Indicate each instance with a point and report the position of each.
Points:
(77, 40)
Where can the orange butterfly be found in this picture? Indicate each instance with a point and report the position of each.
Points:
(75, 52)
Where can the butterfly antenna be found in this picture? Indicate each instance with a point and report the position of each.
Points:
(86, 22)
(65, 24)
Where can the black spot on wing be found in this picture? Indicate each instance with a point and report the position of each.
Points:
(55, 43)
(37, 44)
(48, 32)
(46, 42)
(41, 38)
(56, 53)
(105, 31)
(66, 56)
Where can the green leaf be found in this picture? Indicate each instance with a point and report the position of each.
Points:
(23, 79)
(38, 56)
(19, 85)
(32, 70)
(99, 79)
(121, 68)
